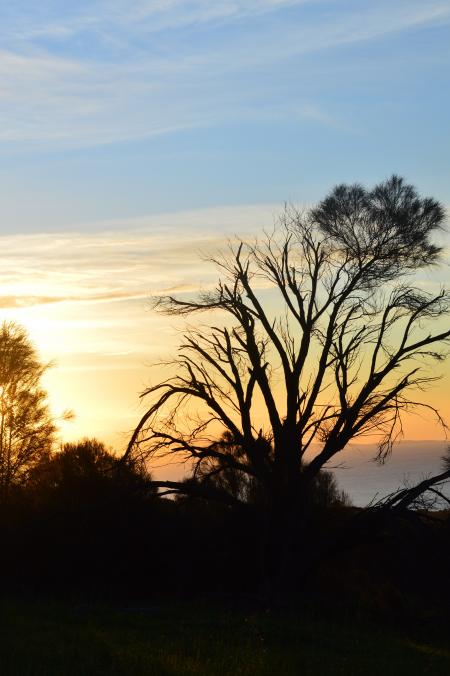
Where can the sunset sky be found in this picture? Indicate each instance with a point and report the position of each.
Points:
(136, 135)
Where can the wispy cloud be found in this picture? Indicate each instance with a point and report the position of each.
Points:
(99, 72)
(125, 259)
(22, 301)
(107, 18)
(124, 262)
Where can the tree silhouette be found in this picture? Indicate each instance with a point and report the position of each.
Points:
(87, 469)
(319, 336)
(217, 474)
(27, 429)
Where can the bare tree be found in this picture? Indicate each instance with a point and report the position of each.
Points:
(320, 333)
(27, 429)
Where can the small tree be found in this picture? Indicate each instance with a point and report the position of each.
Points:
(85, 470)
(341, 353)
(27, 429)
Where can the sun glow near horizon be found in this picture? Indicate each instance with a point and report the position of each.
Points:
(84, 299)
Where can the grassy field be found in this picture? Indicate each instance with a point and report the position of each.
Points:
(46, 639)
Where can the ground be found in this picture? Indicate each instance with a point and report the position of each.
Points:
(42, 638)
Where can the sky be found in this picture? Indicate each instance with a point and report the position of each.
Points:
(136, 135)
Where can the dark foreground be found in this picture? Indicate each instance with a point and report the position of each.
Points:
(46, 638)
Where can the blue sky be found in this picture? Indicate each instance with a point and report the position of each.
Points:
(135, 134)
(122, 108)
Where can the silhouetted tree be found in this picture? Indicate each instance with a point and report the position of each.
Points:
(216, 474)
(92, 514)
(321, 334)
(86, 469)
(27, 429)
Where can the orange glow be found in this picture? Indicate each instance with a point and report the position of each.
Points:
(85, 302)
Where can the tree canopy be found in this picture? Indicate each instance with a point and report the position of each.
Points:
(27, 429)
(343, 350)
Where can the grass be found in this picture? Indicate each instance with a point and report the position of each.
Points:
(46, 639)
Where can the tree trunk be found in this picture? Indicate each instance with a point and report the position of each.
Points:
(286, 523)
